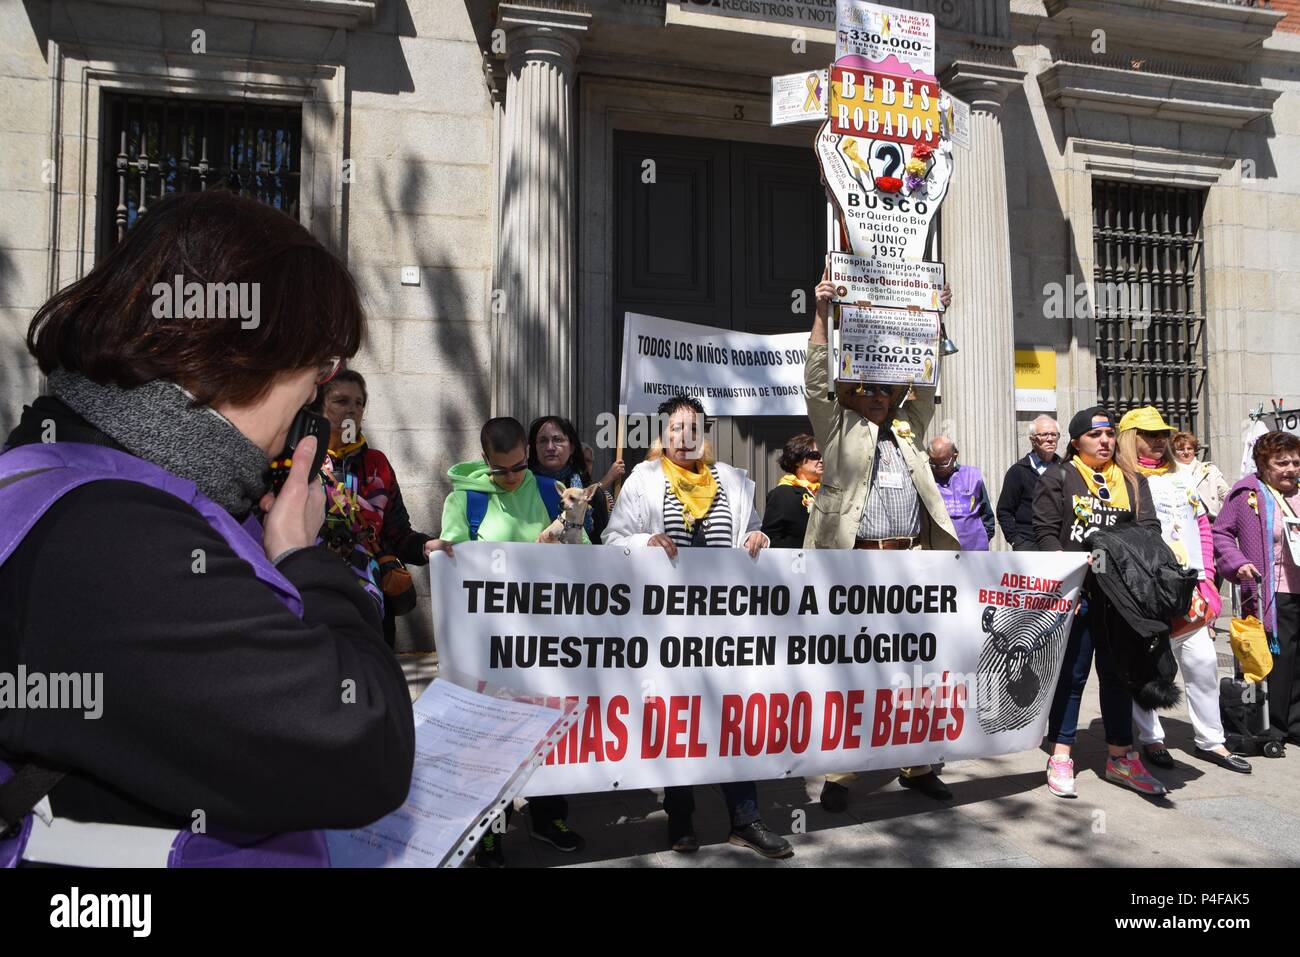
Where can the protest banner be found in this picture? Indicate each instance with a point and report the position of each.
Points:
(888, 345)
(732, 373)
(876, 33)
(886, 282)
(715, 666)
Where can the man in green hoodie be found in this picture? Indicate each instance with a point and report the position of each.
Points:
(508, 508)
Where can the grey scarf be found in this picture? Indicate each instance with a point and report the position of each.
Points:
(158, 423)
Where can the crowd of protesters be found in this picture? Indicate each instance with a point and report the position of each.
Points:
(166, 433)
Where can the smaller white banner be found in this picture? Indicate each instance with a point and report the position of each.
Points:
(731, 373)
(799, 97)
(888, 345)
(883, 282)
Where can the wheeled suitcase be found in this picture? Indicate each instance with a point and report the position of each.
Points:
(1243, 709)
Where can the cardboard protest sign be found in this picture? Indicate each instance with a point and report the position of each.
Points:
(886, 193)
(886, 282)
(799, 97)
(882, 106)
(888, 345)
(716, 666)
(876, 33)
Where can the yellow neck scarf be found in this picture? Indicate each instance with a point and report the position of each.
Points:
(802, 483)
(695, 490)
(348, 449)
(1114, 477)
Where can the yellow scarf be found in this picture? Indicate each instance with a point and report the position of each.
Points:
(1114, 477)
(348, 449)
(802, 483)
(695, 490)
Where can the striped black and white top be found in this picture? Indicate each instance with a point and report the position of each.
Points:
(717, 523)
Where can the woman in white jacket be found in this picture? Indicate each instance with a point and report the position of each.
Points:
(679, 498)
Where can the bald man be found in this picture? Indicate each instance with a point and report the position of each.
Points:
(964, 495)
(1016, 503)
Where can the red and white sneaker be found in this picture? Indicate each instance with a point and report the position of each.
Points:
(1060, 776)
(1132, 773)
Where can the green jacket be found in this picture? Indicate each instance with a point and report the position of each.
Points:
(518, 516)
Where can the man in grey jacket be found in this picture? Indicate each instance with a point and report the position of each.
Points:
(877, 491)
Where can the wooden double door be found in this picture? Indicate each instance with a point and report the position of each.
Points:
(722, 234)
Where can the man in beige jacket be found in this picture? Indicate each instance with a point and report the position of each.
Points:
(877, 491)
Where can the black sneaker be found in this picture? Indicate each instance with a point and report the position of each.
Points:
(758, 838)
(835, 797)
(489, 853)
(681, 836)
(927, 784)
(560, 836)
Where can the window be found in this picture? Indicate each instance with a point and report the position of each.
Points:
(157, 146)
(1149, 300)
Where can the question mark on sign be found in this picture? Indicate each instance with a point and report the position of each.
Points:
(891, 156)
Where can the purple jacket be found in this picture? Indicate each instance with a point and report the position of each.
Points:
(1240, 538)
(967, 504)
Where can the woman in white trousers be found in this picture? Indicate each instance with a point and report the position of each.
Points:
(1185, 526)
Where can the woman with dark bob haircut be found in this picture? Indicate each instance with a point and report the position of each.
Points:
(241, 694)
(785, 520)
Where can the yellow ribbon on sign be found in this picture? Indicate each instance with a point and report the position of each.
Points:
(814, 100)
(851, 152)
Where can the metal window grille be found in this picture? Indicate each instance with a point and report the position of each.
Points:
(1149, 300)
(158, 146)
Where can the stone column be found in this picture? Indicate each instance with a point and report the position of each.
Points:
(979, 381)
(533, 336)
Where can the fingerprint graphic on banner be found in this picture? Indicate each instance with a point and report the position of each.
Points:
(1018, 665)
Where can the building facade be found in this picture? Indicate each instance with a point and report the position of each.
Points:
(505, 180)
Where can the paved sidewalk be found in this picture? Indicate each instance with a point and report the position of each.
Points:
(1002, 815)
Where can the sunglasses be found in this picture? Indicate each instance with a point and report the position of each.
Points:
(328, 369)
(1103, 490)
(871, 390)
(512, 470)
(813, 457)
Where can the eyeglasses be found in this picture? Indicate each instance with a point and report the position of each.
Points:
(552, 440)
(512, 470)
(328, 369)
(1103, 490)
(1046, 435)
(944, 464)
(812, 457)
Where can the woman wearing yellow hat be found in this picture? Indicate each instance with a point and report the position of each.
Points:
(1143, 445)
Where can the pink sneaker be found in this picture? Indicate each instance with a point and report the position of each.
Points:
(1132, 773)
(1060, 776)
